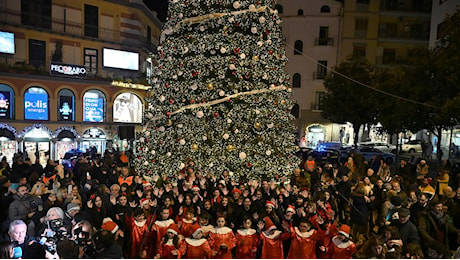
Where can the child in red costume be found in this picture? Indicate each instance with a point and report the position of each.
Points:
(303, 239)
(247, 240)
(272, 240)
(161, 225)
(342, 247)
(197, 247)
(172, 244)
(222, 240)
(187, 222)
(140, 238)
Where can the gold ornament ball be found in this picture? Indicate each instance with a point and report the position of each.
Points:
(170, 122)
(257, 125)
(210, 86)
(283, 102)
(229, 147)
(194, 147)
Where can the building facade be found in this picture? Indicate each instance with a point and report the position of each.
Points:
(73, 74)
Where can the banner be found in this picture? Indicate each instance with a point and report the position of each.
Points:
(36, 106)
(67, 70)
(93, 109)
(5, 104)
(65, 108)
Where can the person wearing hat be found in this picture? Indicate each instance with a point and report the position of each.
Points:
(197, 247)
(272, 240)
(69, 217)
(237, 198)
(162, 224)
(172, 244)
(407, 229)
(422, 170)
(342, 247)
(304, 239)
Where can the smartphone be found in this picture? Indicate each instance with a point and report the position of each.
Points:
(69, 189)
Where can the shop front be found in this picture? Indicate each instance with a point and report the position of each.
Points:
(94, 138)
(67, 139)
(8, 143)
(36, 143)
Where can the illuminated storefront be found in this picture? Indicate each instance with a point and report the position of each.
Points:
(8, 143)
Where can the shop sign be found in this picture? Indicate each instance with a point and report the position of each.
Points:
(36, 106)
(67, 70)
(93, 109)
(5, 104)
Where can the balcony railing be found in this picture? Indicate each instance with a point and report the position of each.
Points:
(319, 75)
(59, 26)
(324, 41)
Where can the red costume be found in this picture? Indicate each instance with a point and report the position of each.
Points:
(140, 238)
(247, 242)
(165, 249)
(186, 227)
(272, 245)
(197, 249)
(331, 231)
(161, 227)
(219, 236)
(303, 244)
(342, 250)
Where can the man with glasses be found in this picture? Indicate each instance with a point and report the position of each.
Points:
(22, 209)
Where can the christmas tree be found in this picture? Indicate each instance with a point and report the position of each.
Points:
(220, 96)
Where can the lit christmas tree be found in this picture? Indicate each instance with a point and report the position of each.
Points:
(220, 98)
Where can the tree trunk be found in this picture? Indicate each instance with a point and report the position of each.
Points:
(438, 147)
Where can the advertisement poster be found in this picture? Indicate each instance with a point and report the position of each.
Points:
(127, 108)
(5, 104)
(36, 106)
(93, 109)
(65, 108)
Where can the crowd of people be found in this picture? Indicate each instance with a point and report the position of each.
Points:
(100, 207)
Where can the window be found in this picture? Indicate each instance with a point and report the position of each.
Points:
(66, 105)
(127, 108)
(295, 110)
(37, 53)
(319, 95)
(321, 70)
(91, 21)
(149, 34)
(325, 9)
(361, 27)
(296, 80)
(323, 35)
(279, 8)
(94, 103)
(298, 47)
(36, 104)
(6, 102)
(389, 56)
(392, 30)
(300, 12)
(91, 61)
(359, 50)
(36, 13)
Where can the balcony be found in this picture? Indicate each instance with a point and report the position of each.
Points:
(324, 41)
(82, 31)
(319, 75)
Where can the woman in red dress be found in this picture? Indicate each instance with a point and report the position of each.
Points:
(247, 240)
(342, 247)
(303, 240)
(222, 240)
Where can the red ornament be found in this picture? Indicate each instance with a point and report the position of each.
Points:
(267, 31)
(248, 165)
(216, 115)
(168, 113)
(192, 101)
(270, 52)
(247, 76)
(237, 24)
(236, 51)
(194, 73)
(153, 160)
(171, 101)
(167, 85)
